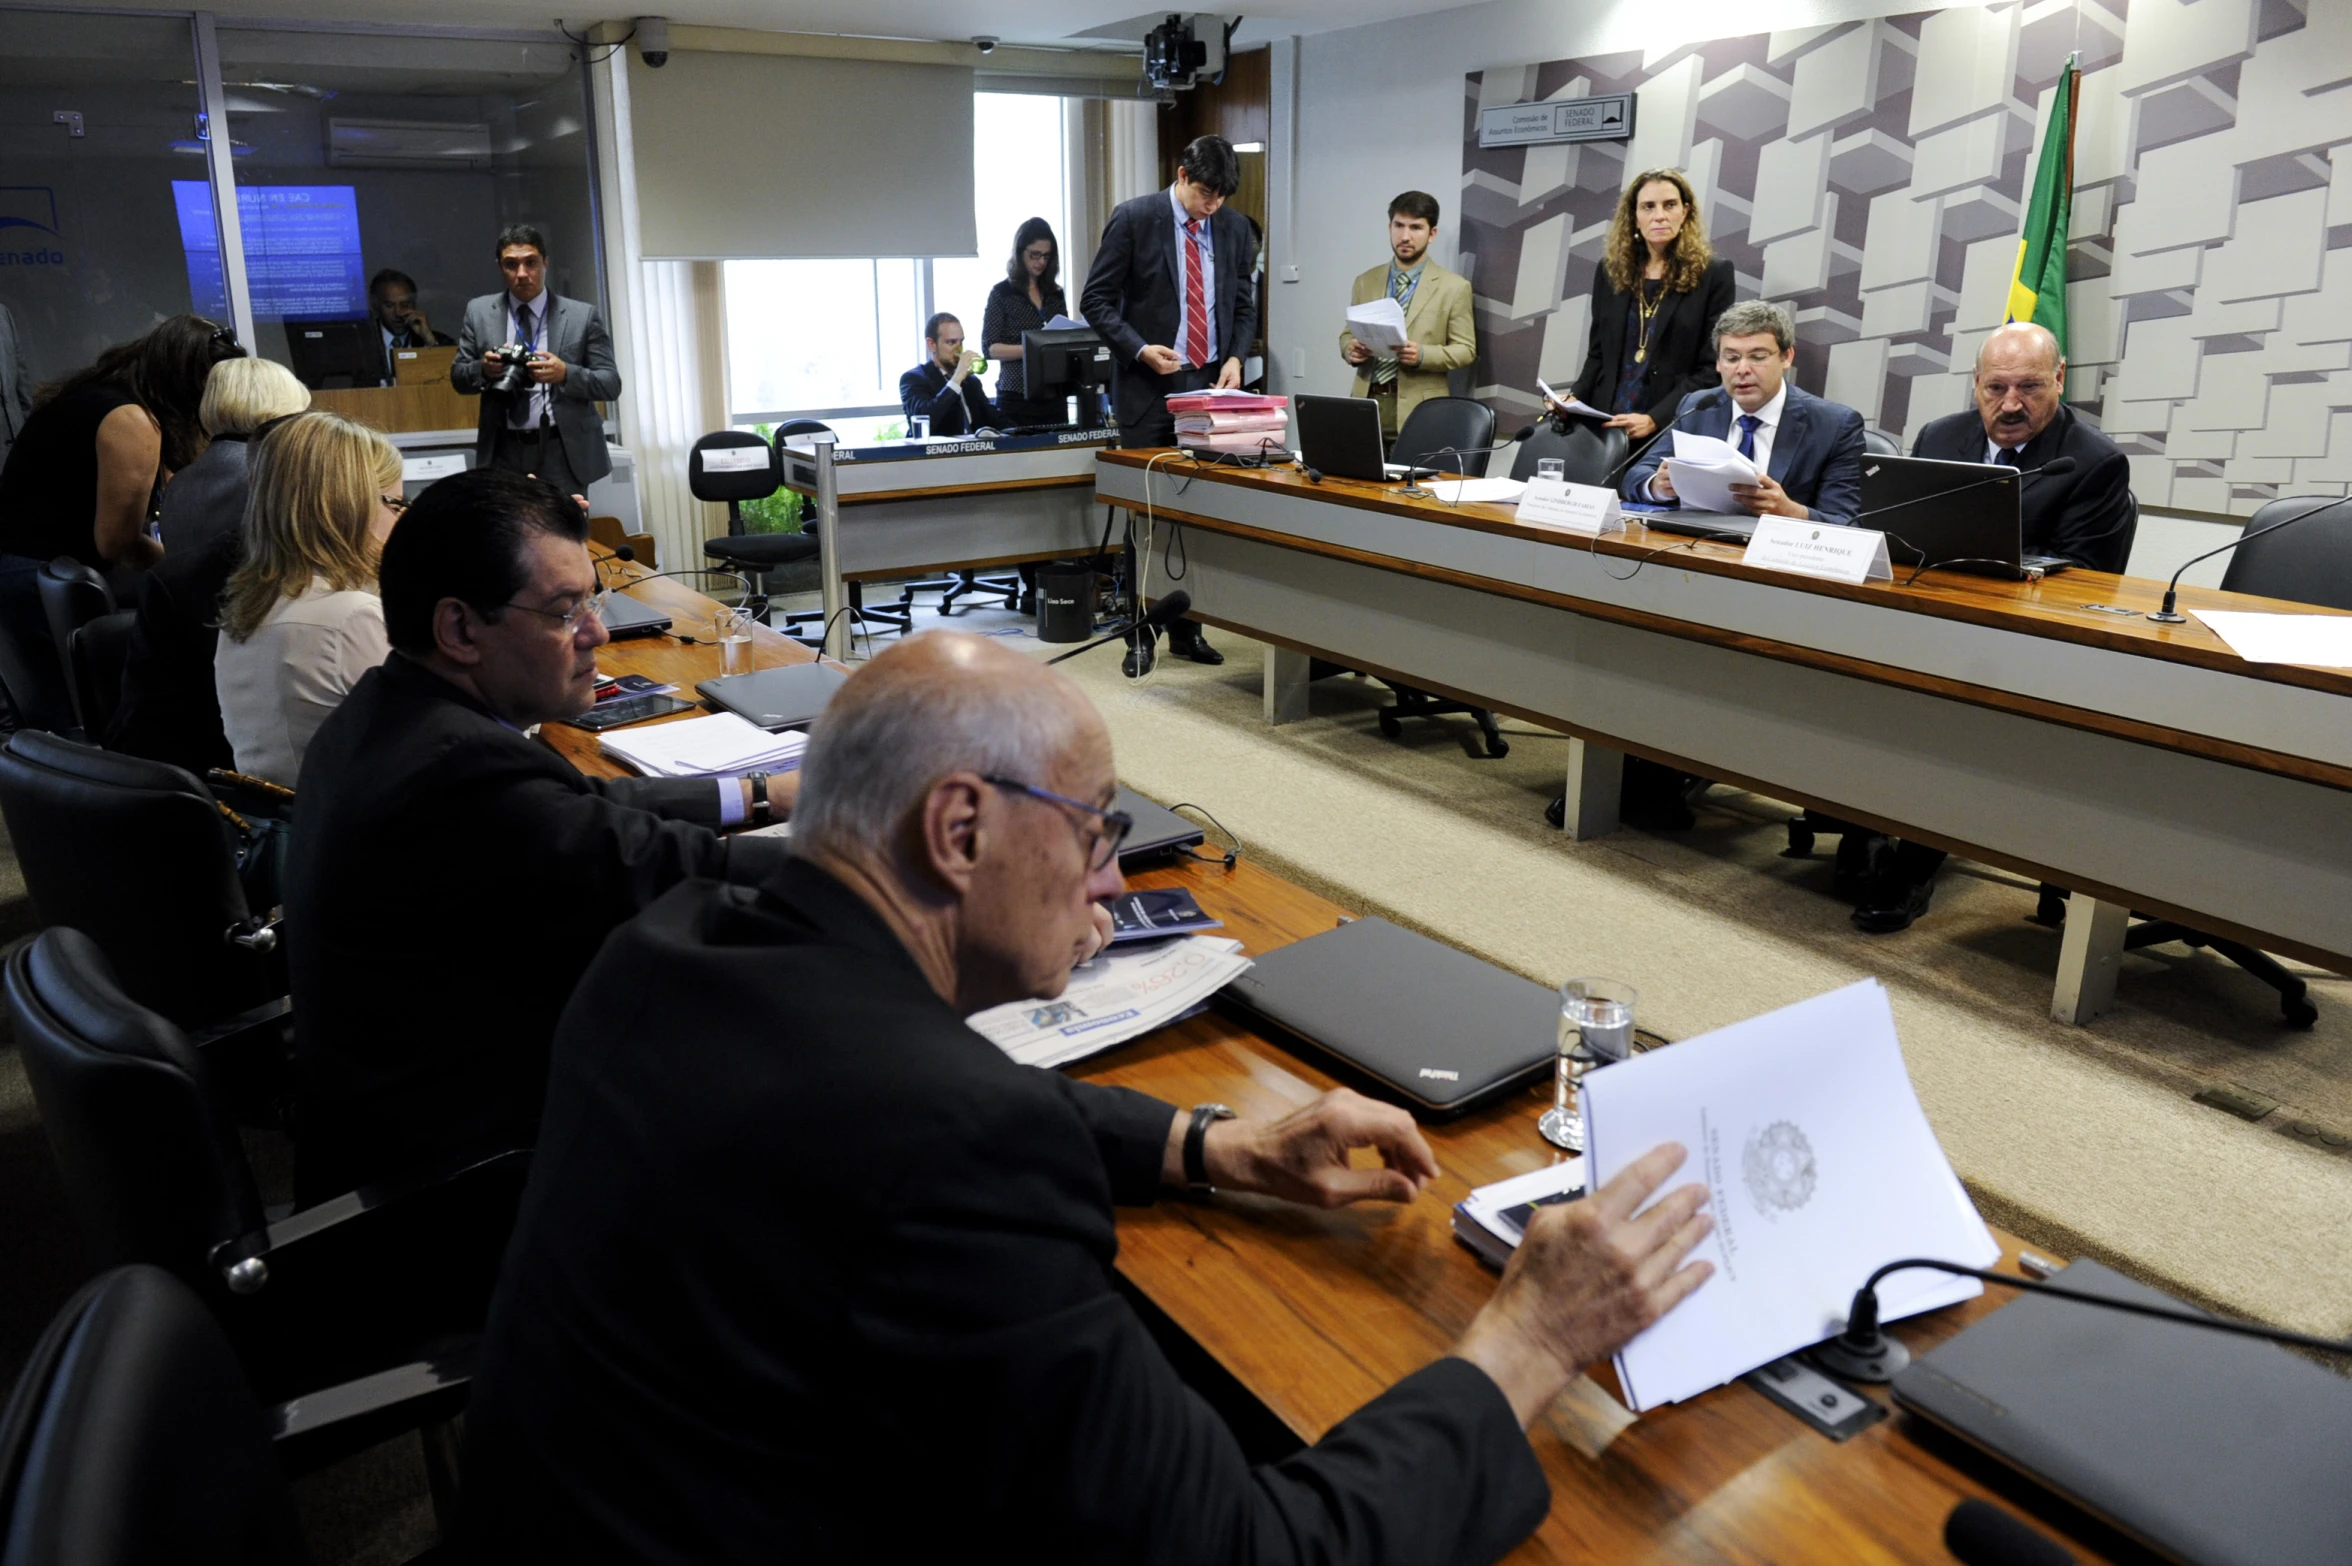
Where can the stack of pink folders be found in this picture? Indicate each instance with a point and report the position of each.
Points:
(1237, 422)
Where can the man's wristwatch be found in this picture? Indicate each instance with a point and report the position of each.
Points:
(759, 794)
(1196, 1167)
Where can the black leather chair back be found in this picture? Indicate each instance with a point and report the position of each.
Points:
(1590, 450)
(791, 427)
(96, 653)
(732, 484)
(152, 1168)
(1450, 434)
(133, 1439)
(1878, 443)
(136, 855)
(2310, 563)
(72, 594)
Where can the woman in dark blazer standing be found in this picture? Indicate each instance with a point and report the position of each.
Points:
(1655, 297)
(1030, 296)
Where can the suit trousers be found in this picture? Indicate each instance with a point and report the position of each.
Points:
(1158, 428)
(539, 451)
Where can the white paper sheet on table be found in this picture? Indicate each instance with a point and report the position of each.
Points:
(1820, 1167)
(1379, 326)
(716, 746)
(1121, 995)
(1500, 491)
(2320, 640)
(1704, 471)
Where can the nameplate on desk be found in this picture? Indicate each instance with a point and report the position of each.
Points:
(1842, 554)
(423, 470)
(1574, 508)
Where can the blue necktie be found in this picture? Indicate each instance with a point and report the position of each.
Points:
(1748, 423)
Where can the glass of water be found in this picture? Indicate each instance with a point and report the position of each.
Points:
(1596, 1029)
(919, 427)
(731, 629)
(1552, 470)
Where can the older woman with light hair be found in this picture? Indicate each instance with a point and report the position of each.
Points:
(300, 620)
(207, 497)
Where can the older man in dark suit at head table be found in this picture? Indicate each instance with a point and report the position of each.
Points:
(809, 1270)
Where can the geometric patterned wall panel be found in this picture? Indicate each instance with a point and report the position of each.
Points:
(1872, 176)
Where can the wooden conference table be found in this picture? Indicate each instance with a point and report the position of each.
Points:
(1314, 1314)
(2025, 724)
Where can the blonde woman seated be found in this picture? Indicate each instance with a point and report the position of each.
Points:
(300, 622)
(206, 498)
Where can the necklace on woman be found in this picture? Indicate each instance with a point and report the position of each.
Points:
(1648, 309)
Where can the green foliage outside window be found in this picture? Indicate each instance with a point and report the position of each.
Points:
(780, 512)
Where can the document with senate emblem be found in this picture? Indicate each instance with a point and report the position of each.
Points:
(1820, 1167)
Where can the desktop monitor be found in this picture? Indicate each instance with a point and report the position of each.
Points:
(331, 355)
(1074, 360)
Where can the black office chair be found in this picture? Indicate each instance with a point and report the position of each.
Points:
(1878, 443)
(95, 655)
(72, 595)
(1450, 434)
(138, 855)
(1589, 451)
(154, 1172)
(134, 1439)
(752, 554)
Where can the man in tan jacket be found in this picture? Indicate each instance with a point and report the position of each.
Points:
(1442, 336)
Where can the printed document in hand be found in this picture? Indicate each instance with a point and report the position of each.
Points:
(1122, 994)
(2317, 640)
(1819, 1166)
(721, 745)
(1704, 471)
(1379, 326)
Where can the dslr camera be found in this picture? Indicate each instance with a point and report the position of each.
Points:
(514, 374)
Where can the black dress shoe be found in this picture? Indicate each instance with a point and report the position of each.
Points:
(1891, 906)
(1861, 861)
(1138, 661)
(1186, 641)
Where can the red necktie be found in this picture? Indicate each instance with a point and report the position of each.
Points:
(1196, 301)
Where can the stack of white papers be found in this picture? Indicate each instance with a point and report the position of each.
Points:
(1820, 1168)
(1479, 1218)
(2319, 640)
(1501, 491)
(1379, 326)
(1123, 994)
(1705, 469)
(722, 745)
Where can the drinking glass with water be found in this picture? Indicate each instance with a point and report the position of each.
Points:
(1596, 1029)
(731, 629)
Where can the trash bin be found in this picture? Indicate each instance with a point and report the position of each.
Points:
(1065, 596)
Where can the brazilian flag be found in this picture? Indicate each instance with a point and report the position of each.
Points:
(2037, 291)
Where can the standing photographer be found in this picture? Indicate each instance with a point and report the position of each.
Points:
(541, 363)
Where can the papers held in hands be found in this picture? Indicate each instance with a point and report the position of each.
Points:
(1704, 470)
(722, 745)
(1122, 994)
(1379, 325)
(1819, 1166)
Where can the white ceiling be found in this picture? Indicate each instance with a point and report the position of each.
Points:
(1039, 22)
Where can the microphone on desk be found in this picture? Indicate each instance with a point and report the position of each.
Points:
(2168, 615)
(1618, 472)
(1978, 1533)
(1864, 1351)
(1421, 470)
(1159, 616)
(628, 556)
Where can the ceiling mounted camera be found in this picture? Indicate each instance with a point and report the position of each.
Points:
(1182, 50)
(653, 40)
(984, 44)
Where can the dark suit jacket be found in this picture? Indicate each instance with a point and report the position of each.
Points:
(207, 497)
(1816, 452)
(170, 707)
(1682, 343)
(2088, 516)
(809, 1271)
(924, 390)
(448, 882)
(574, 332)
(1134, 294)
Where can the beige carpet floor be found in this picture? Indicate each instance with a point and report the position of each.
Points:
(2083, 1140)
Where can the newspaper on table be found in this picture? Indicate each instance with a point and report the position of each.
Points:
(1379, 326)
(1123, 994)
(1820, 1168)
(1705, 469)
(722, 745)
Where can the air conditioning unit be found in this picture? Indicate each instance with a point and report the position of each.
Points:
(407, 144)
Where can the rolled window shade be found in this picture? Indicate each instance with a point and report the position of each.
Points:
(751, 156)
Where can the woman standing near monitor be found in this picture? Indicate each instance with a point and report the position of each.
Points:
(1655, 296)
(1030, 296)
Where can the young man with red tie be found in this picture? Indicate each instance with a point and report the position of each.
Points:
(1170, 292)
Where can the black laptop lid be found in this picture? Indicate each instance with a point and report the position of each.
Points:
(1967, 513)
(1157, 830)
(2221, 1450)
(1339, 437)
(776, 699)
(625, 616)
(1434, 1028)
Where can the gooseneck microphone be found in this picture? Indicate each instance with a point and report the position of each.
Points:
(1633, 456)
(2056, 467)
(1166, 612)
(1978, 1533)
(1865, 1352)
(1429, 468)
(2168, 615)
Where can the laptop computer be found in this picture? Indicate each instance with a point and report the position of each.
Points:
(775, 699)
(1435, 1029)
(1735, 528)
(1967, 515)
(1157, 830)
(2222, 1450)
(625, 616)
(1339, 437)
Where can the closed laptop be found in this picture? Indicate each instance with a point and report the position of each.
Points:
(1437, 1029)
(776, 699)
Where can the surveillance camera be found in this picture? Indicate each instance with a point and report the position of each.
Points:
(653, 40)
(985, 45)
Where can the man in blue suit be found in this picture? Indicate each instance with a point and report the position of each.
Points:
(1809, 448)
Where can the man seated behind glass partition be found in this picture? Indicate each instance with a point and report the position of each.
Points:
(392, 302)
(945, 388)
(809, 1270)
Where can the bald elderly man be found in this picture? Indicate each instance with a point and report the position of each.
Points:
(810, 1271)
(2086, 516)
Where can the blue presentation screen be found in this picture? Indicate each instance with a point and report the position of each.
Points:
(302, 257)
